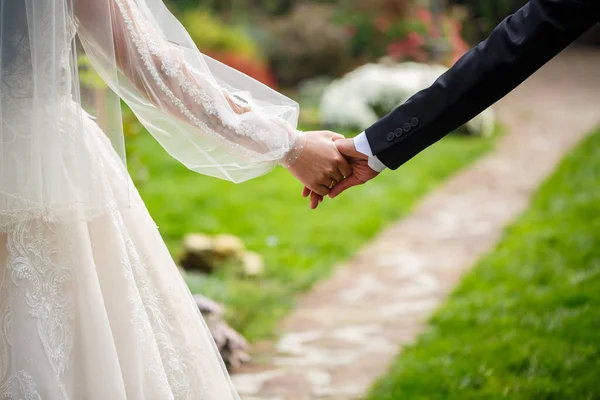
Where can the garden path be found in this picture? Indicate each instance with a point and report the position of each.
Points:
(347, 330)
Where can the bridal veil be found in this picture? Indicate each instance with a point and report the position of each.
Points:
(91, 304)
(215, 120)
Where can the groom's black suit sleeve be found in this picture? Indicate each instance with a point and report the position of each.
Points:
(517, 48)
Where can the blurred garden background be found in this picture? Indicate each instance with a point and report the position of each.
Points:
(255, 247)
(304, 49)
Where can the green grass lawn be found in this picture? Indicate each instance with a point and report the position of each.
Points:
(299, 246)
(525, 323)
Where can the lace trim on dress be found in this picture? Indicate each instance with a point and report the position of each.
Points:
(149, 64)
(152, 321)
(172, 64)
(32, 260)
(22, 383)
(36, 263)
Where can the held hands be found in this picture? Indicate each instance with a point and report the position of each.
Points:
(321, 166)
(355, 171)
(361, 172)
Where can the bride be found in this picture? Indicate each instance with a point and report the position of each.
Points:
(92, 307)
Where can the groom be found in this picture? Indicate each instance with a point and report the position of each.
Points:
(517, 47)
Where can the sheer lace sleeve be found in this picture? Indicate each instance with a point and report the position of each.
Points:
(215, 120)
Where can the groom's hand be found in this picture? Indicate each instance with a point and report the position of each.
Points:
(321, 166)
(361, 172)
(360, 167)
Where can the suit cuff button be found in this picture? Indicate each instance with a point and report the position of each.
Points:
(406, 127)
(414, 121)
(398, 132)
(390, 136)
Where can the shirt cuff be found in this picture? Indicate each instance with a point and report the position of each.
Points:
(376, 165)
(361, 143)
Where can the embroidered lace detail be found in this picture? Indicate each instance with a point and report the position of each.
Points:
(33, 260)
(41, 276)
(153, 319)
(42, 273)
(22, 383)
(174, 66)
(45, 270)
(143, 49)
(296, 151)
(5, 335)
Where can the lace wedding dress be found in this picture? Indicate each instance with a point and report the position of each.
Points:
(92, 307)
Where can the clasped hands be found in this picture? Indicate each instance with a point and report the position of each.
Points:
(328, 165)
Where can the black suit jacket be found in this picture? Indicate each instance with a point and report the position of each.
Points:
(517, 48)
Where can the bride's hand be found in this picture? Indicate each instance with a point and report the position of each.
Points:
(237, 108)
(320, 166)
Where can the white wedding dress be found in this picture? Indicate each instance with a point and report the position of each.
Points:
(92, 307)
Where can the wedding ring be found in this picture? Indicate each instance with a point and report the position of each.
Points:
(333, 182)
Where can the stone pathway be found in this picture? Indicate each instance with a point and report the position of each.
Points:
(348, 329)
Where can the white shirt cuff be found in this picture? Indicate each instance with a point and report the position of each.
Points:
(361, 143)
(376, 165)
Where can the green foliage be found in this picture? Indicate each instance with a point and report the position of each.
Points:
(299, 246)
(407, 34)
(304, 40)
(484, 15)
(182, 4)
(306, 44)
(371, 35)
(269, 7)
(87, 75)
(492, 12)
(373, 24)
(214, 36)
(241, 9)
(525, 323)
(229, 44)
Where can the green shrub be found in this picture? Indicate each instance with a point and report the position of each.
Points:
(306, 44)
(214, 36)
(243, 9)
(230, 45)
(182, 4)
(406, 34)
(484, 15)
(369, 24)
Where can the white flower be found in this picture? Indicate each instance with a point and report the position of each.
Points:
(349, 102)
